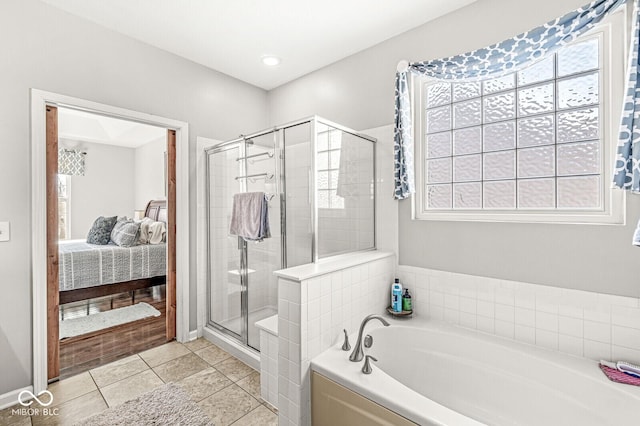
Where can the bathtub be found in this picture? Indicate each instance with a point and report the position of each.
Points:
(435, 374)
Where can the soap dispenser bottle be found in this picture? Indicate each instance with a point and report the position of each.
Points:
(396, 296)
(406, 301)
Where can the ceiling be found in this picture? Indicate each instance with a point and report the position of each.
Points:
(83, 126)
(232, 36)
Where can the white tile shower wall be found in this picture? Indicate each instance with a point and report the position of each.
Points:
(591, 325)
(269, 367)
(311, 316)
(298, 199)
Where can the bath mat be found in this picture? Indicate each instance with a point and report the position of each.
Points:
(619, 376)
(90, 323)
(166, 405)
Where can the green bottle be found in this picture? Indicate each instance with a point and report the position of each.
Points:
(406, 301)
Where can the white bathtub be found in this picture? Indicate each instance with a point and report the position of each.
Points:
(435, 374)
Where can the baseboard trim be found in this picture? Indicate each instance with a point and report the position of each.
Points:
(11, 398)
(193, 335)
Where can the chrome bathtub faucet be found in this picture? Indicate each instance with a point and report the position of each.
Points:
(358, 352)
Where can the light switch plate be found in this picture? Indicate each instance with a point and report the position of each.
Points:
(5, 233)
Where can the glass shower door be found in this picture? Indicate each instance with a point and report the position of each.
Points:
(264, 257)
(242, 287)
(226, 252)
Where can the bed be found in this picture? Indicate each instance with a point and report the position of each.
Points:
(88, 271)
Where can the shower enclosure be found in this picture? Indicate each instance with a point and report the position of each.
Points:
(319, 180)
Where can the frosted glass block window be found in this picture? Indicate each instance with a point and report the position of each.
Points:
(328, 161)
(524, 142)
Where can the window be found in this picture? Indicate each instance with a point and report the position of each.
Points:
(328, 161)
(533, 145)
(63, 207)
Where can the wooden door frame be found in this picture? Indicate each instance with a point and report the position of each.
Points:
(178, 178)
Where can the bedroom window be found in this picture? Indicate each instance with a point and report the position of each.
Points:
(64, 232)
(328, 161)
(533, 145)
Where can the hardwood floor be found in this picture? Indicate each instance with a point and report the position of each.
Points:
(82, 353)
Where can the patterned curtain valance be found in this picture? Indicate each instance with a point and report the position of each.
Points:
(495, 60)
(71, 162)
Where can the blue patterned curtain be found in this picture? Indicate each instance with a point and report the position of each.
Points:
(403, 141)
(495, 60)
(626, 174)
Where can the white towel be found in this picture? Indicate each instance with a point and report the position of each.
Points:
(250, 216)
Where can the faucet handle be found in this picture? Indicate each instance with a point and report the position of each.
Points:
(368, 341)
(346, 346)
(366, 368)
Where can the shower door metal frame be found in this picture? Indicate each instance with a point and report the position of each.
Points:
(312, 186)
(242, 267)
(279, 175)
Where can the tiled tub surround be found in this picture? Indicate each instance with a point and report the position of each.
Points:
(591, 325)
(316, 302)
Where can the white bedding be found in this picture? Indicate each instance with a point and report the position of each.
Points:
(86, 265)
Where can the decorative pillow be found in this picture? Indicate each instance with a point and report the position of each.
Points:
(157, 233)
(144, 230)
(125, 233)
(100, 232)
(152, 232)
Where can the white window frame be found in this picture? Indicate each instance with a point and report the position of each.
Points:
(613, 48)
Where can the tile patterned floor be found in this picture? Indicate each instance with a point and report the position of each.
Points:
(227, 389)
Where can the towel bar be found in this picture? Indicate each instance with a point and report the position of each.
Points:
(267, 176)
(260, 154)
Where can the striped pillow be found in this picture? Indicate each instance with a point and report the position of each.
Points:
(125, 233)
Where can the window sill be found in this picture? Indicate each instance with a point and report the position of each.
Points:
(567, 219)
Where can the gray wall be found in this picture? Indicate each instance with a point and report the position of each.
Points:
(358, 92)
(149, 173)
(47, 49)
(106, 187)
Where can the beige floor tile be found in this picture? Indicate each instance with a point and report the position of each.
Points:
(228, 405)
(118, 370)
(205, 383)
(73, 411)
(7, 418)
(197, 344)
(234, 369)
(164, 353)
(213, 354)
(261, 416)
(131, 387)
(71, 388)
(251, 384)
(179, 368)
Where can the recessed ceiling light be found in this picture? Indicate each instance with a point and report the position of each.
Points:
(271, 61)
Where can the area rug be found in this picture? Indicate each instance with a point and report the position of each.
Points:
(166, 405)
(90, 323)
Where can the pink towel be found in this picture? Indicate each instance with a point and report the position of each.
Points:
(619, 376)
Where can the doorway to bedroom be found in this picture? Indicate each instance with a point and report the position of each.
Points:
(112, 215)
